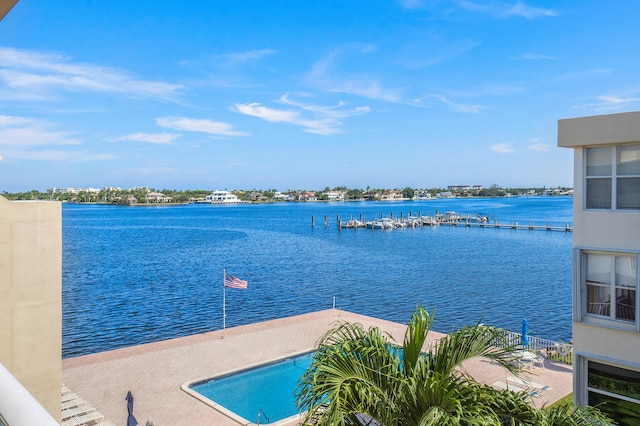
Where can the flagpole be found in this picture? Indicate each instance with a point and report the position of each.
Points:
(224, 302)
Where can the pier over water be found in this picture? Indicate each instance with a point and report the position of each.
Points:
(448, 219)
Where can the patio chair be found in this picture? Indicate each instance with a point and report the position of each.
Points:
(539, 359)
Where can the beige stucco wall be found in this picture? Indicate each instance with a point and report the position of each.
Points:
(31, 297)
(606, 343)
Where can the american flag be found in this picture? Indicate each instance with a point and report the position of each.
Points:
(232, 282)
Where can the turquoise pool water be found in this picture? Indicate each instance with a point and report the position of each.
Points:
(268, 390)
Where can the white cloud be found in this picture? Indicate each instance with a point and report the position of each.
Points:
(23, 131)
(502, 148)
(537, 145)
(38, 75)
(7, 120)
(536, 57)
(211, 127)
(154, 138)
(441, 99)
(241, 58)
(59, 155)
(325, 75)
(504, 10)
(611, 103)
(318, 119)
(529, 12)
(334, 111)
(326, 126)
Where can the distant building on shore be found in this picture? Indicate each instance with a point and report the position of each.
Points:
(72, 190)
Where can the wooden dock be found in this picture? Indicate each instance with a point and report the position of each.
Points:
(446, 219)
(515, 225)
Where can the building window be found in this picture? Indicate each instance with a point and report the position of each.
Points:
(613, 177)
(610, 283)
(615, 390)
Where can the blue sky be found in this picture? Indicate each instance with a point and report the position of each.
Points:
(306, 94)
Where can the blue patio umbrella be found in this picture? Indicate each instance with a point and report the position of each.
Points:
(525, 331)
(131, 421)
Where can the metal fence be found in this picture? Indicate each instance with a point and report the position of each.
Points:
(554, 351)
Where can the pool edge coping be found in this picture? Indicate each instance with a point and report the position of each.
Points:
(186, 387)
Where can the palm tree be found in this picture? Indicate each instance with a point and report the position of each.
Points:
(362, 377)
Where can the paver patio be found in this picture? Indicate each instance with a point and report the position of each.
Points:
(155, 372)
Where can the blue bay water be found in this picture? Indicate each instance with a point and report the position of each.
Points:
(134, 275)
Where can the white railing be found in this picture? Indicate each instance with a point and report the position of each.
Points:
(17, 406)
(552, 350)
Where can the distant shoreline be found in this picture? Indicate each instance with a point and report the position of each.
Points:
(306, 201)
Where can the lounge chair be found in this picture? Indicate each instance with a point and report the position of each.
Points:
(77, 411)
(89, 418)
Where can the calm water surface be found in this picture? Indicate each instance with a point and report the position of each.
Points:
(133, 275)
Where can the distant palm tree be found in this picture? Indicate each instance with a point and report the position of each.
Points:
(361, 377)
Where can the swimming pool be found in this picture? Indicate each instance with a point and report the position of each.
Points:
(264, 393)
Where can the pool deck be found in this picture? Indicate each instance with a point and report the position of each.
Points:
(155, 372)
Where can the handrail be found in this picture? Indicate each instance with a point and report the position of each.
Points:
(18, 406)
(552, 350)
(265, 416)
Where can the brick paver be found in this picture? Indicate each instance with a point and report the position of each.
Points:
(155, 372)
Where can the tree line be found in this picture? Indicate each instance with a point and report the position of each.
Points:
(141, 195)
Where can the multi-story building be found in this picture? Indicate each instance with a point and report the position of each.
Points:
(606, 245)
(30, 311)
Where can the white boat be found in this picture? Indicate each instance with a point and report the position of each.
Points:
(222, 197)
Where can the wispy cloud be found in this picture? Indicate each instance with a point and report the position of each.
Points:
(153, 171)
(583, 73)
(26, 75)
(538, 145)
(410, 4)
(506, 10)
(23, 132)
(318, 119)
(606, 103)
(242, 58)
(79, 156)
(216, 128)
(434, 99)
(154, 138)
(333, 111)
(327, 126)
(536, 57)
(233, 70)
(236, 164)
(326, 75)
(502, 148)
(433, 51)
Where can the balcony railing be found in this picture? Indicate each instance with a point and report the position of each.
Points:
(18, 406)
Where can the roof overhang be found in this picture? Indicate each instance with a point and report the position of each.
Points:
(5, 7)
